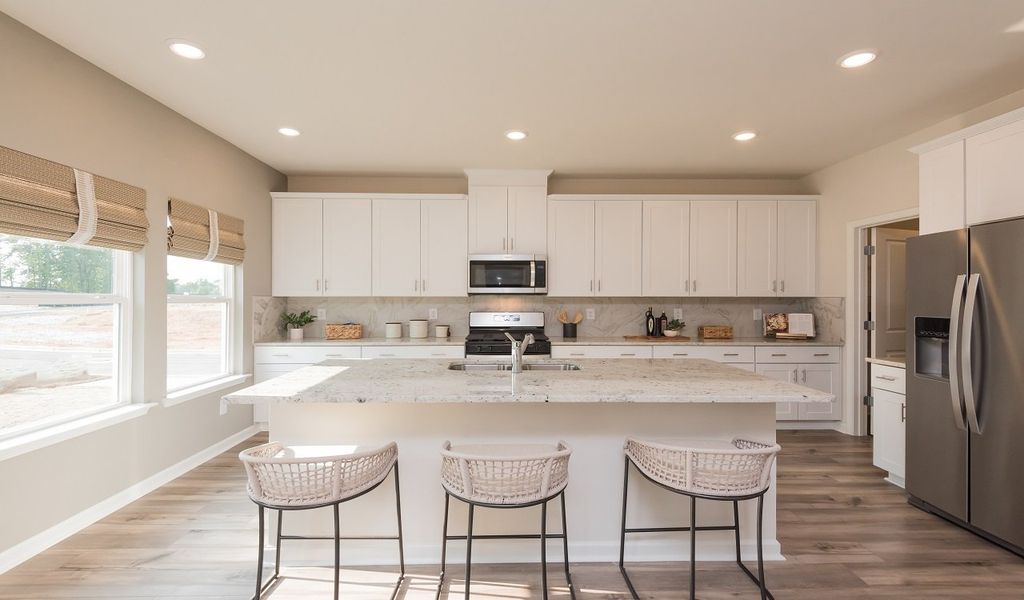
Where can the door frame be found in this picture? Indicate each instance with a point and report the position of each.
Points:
(855, 368)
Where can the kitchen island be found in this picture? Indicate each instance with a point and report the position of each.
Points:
(593, 406)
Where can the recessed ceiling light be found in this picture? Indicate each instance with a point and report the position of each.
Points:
(515, 135)
(744, 136)
(857, 59)
(186, 49)
(289, 131)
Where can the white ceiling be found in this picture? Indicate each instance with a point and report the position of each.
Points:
(630, 87)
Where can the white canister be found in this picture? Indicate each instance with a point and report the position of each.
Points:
(418, 328)
(441, 331)
(392, 330)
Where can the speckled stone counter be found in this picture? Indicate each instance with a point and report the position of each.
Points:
(749, 341)
(372, 341)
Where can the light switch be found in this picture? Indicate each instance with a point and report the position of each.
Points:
(591, 314)
(321, 314)
(677, 314)
(758, 316)
(432, 314)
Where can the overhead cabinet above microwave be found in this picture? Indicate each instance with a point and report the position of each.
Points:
(508, 219)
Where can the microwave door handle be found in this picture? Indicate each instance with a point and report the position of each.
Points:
(970, 309)
(954, 336)
(533, 273)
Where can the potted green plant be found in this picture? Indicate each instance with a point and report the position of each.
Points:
(674, 328)
(295, 323)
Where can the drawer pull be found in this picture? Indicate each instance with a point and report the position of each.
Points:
(780, 354)
(386, 355)
(575, 354)
(731, 354)
(680, 354)
(281, 355)
(335, 355)
(438, 354)
(628, 354)
(885, 377)
(821, 354)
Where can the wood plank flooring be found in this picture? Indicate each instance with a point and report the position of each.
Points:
(845, 532)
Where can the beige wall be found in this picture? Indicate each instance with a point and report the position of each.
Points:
(58, 106)
(877, 182)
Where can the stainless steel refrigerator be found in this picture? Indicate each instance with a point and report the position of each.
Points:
(965, 378)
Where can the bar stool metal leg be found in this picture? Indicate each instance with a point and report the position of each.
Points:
(760, 547)
(544, 548)
(693, 548)
(469, 549)
(398, 511)
(736, 524)
(277, 550)
(444, 545)
(565, 548)
(337, 552)
(259, 558)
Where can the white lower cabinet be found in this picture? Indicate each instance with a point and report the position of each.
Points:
(889, 420)
(413, 352)
(784, 411)
(816, 367)
(572, 351)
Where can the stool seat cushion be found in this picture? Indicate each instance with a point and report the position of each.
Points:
(714, 468)
(505, 474)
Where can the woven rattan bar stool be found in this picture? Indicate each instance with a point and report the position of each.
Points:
(708, 470)
(505, 476)
(285, 478)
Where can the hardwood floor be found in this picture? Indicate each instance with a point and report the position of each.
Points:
(845, 532)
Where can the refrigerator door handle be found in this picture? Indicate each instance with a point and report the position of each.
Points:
(954, 335)
(965, 352)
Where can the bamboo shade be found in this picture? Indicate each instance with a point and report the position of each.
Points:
(38, 198)
(188, 233)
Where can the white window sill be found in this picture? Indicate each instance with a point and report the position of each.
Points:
(34, 440)
(204, 389)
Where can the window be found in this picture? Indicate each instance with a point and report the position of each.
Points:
(64, 332)
(200, 300)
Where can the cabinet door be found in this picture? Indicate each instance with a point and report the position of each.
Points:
(571, 248)
(942, 189)
(888, 427)
(798, 240)
(618, 258)
(825, 378)
(396, 247)
(488, 219)
(528, 219)
(296, 239)
(347, 246)
(757, 260)
(995, 179)
(666, 255)
(443, 261)
(713, 248)
(784, 411)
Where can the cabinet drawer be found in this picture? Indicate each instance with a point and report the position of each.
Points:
(269, 355)
(816, 354)
(737, 354)
(601, 352)
(889, 378)
(413, 352)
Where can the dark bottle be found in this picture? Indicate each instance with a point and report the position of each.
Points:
(662, 324)
(649, 322)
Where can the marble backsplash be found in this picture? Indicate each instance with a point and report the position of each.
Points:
(613, 316)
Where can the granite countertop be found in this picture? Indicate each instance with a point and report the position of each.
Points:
(752, 341)
(599, 380)
(454, 340)
(899, 363)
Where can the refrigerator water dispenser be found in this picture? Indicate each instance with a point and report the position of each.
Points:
(932, 346)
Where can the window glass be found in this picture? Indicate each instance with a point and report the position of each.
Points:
(198, 321)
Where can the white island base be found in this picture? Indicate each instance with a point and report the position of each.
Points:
(594, 431)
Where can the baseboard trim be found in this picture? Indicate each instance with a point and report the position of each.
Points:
(25, 550)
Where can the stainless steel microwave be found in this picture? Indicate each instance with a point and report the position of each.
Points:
(508, 274)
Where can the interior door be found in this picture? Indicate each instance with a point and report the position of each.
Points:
(997, 443)
(798, 241)
(757, 259)
(396, 247)
(666, 254)
(784, 411)
(888, 292)
(347, 247)
(443, 254)
(571, 248)
(488, 219)
(297, 245)
(528, 219)
(618, 260)
(713, 248)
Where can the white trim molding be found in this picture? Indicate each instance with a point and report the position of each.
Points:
(19, 553)
(205, 388)
(47, 436)
(978, 128)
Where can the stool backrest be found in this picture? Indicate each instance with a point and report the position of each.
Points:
(742, 469)
(505, 474)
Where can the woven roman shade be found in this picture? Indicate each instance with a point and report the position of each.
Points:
(189, 233)
(39, 199)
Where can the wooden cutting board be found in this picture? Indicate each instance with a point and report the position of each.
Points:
(652, 338)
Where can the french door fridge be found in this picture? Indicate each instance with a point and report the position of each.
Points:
(965, 378)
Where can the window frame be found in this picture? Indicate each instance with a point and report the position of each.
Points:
(120, 298)
(229, 300)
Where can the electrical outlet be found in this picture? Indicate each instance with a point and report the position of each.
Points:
(321, 313)
(591, 314)
(758, 315)
(432, 314)
(677, 314)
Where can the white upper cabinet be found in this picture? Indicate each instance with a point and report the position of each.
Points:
(571, 248)
(797, 247)
(297, 247)
(666, 248)
(346, 256)
(757, 250)
(508, 211)
(713, 247)
(942, 190)
(443, 256)
(995, 174)
(488, 219)
(396, 247)
(618, 256)
(527, 219)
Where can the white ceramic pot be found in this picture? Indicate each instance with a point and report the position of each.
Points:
(441, 331)
(418, 328)
(670, 333)
(295, 334)
(392, 330)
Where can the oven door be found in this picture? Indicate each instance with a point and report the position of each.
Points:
(507, 274)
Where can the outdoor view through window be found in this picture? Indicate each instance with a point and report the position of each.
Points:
(60, 324)
(198, 317)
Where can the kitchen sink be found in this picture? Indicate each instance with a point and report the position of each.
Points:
(546, 366)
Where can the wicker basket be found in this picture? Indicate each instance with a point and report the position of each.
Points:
(715, 332)
(343, 331)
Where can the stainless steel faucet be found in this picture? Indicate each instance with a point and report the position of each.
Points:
(518, 350)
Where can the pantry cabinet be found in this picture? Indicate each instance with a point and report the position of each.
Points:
(776, 246)
(508, 219)
(419, 247)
